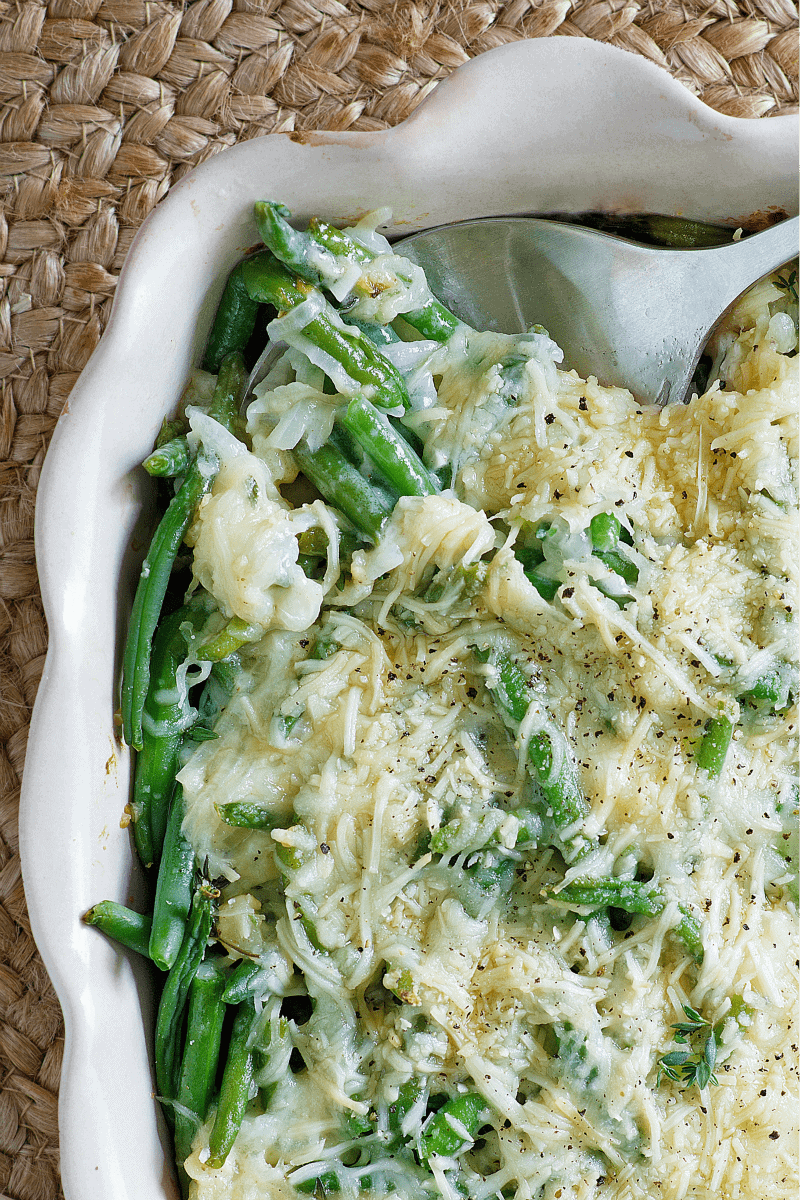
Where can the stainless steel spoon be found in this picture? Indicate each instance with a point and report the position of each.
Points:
(632, 315)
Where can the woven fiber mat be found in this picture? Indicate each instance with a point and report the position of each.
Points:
(105, 103)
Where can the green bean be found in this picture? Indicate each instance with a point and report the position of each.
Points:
(237, 987)
(432, 320)
(171, 430)
(408, 1094)
(164, 722)
(216, 694)
(173, 890)
(268, 280)
(150, 593)
(129, 928)
(491, 875)
(461, 581)
(314, 542)
(294, 249)
(381, 335)
(776, 686)
(619, 564)
(767, 687)
(632, 896)
(235, 1089)
(298, 251)
(157, 566)
(345, 488)
(169, 1020)
(573, 1051)
(339, 242)
(246, 814)
(232, 637)
(528, 550)
(328, 1184)
(200, 1055)
(599, 929)
(688, 932)
(511, 693)
(229, 392)
(235, 320)
(604, 530)
(168, 460)
(713, 749)
(545, 585)
(405, 473)
(439, 1136)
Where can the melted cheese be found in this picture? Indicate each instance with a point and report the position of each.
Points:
(364, 756)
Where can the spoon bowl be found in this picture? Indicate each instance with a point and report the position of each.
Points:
(632, 315)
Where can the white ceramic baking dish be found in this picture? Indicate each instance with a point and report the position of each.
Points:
(555, 125)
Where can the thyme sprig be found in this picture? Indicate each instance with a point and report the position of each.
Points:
(789, 282)
(695, 1065)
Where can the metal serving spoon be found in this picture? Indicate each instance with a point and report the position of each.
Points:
(632, 315)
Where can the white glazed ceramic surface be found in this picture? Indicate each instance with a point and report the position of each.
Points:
(554, 125)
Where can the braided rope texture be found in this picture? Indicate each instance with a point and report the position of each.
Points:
(104, 104)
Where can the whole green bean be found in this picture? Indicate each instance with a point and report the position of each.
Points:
(165, 719)
(433, 321)
(327, 1184)
(156, 570)
(767, 687)
(157, 566)
(338, 242)
(200, 1055)
(777, 687)
(229, 392)
(235, 1089)
(545, 585)
(168, 460)
(269, 281)
(216, 694)
(170, 430)
(345, 488)
(169, 1021)
(234, 322)
(381, 335)
(174, 889)
(298, 251)
(403, 470)
(129, 928)
(632, 896)
(619, 564)
(440, 1137)
(237, 987)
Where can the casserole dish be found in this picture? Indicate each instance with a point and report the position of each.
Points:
(471, 150)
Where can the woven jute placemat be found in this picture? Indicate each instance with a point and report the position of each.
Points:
(106, 103)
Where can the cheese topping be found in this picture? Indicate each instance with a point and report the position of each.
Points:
(446, 1021)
